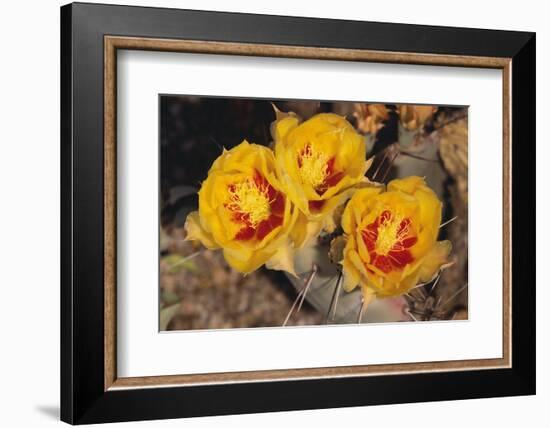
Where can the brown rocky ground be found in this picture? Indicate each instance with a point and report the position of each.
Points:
(203, 292)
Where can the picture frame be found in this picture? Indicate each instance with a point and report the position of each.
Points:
(91, 390)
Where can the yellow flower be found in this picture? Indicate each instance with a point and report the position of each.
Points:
(370, 117)
(244, 210)
(391, 238)
(413, 117)
(319, 162)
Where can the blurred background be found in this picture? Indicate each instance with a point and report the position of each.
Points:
(198, 290)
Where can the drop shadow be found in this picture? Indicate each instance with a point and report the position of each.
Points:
(51, 411)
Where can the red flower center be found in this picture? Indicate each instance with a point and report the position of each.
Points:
(256, 206)
(388, 240)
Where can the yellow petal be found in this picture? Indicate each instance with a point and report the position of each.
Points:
(283, 259)
(280, 128)
(244, 262)
(375, 282)
(195, 232)
(430, 210)
(351, 276)
(368, 296)
(408, 185)
(356, 205)
(434, 260)
(304, 231)
(404, 285)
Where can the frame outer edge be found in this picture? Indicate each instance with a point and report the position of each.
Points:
(303, 31)
(66, 304)
(523, 218)
(87, 212)
(81, 380)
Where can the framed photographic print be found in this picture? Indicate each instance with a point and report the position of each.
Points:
(264, 213)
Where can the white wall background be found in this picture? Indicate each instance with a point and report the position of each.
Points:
(29, 213)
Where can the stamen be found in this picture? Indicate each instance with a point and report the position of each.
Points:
(388, 240)
(250, 201)
(313, 167)
(391, 232)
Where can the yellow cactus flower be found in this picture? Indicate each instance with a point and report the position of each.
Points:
(243, 210)
(319, 162)
(391, 238)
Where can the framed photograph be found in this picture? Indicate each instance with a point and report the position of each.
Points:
(265, 213)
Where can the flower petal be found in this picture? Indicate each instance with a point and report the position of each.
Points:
(280, 128)
(195, 231)
(368, 296)
(283, 259)
(304, 231)
(434, 260)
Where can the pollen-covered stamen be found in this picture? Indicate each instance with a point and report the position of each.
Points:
(388, 240)
(250, 201)
(256, 206)
(313, 166)
(392, 230)
(318, 170)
